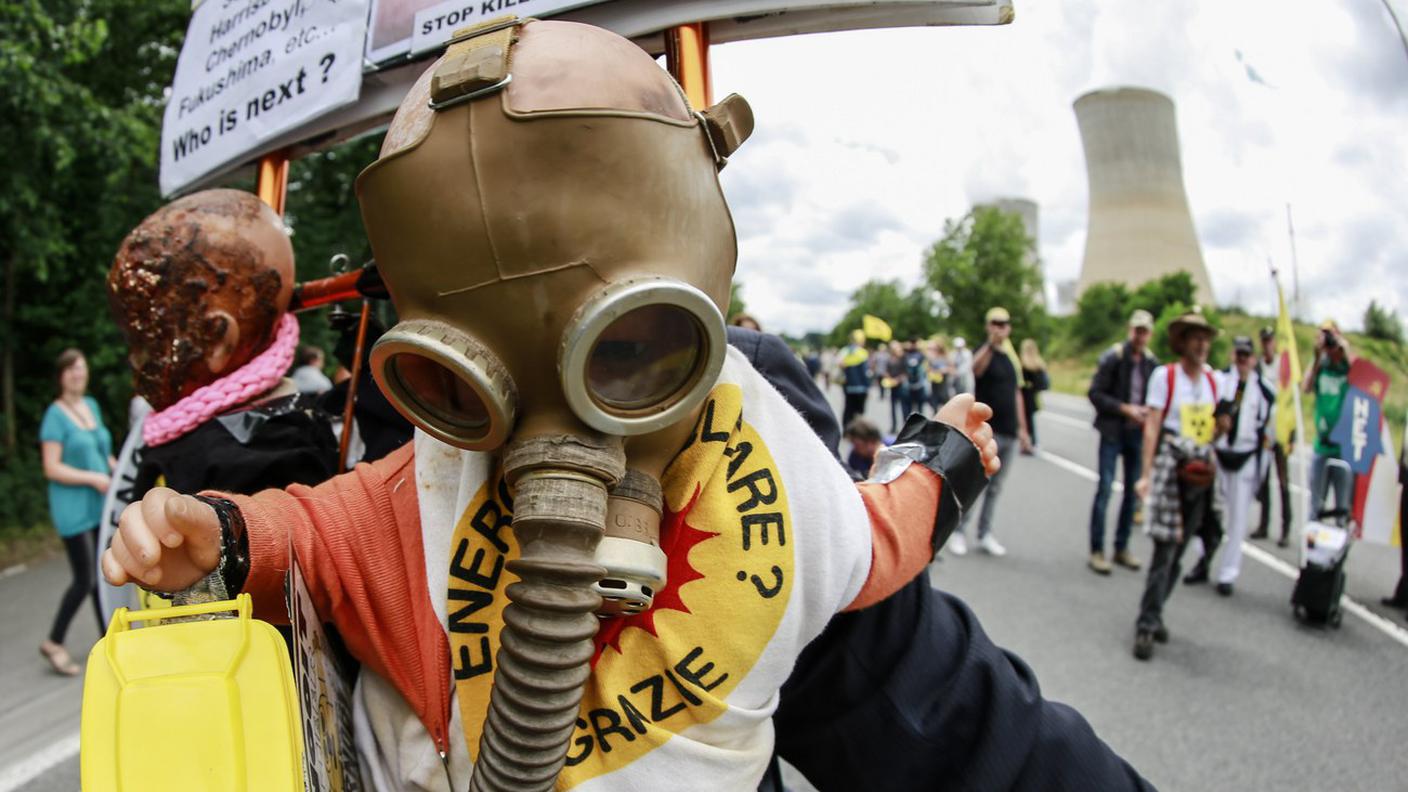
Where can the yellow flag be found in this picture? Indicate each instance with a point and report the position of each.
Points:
(1288, 376)
(876, 328)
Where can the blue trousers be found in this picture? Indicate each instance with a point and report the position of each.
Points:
(1126, 447)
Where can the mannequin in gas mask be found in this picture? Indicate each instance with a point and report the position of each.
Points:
(547, 215)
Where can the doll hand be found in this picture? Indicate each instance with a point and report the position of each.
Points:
(165, 542)
(970, 417)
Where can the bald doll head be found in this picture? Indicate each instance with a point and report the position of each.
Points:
(198, 289)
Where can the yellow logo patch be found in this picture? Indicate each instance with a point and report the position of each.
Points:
(727, 533)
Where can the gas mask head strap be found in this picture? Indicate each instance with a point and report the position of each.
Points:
(476, 62)
(726, 125)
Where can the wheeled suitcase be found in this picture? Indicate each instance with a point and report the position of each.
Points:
(1324, 550)
(1316, 598)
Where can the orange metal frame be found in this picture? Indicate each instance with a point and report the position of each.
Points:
(687, 58)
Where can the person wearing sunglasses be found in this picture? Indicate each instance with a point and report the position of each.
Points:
(998, 383)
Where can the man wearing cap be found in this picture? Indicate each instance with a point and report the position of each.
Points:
(1328, 379)
(1249, 404)
(1178, 468)
(1267, 366)
(998, 382)
(1118, 393)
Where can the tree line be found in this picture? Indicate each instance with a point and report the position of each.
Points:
(80, 124)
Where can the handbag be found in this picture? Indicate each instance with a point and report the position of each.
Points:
(1195, 473)
(1233, 460)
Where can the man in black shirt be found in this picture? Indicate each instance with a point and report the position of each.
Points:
(998, 385)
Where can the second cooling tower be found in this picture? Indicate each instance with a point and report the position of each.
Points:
(1139, 225)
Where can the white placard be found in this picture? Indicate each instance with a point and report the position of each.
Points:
(434, 25)
(252, 69)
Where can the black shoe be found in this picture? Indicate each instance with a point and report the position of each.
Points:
(1259, 533)
(1161, 634)
(1284, 541)
(1143, 644)
(1198, 575)
(1393, 602)
(1225, 589)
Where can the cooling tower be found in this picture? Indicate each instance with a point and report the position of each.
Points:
(1027, 210)
(1139, 224)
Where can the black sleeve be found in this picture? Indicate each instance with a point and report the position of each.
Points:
(773, 359)
(911, 694)
(1102, 385)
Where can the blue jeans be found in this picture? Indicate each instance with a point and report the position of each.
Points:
(1127, 445)
(1320, 484)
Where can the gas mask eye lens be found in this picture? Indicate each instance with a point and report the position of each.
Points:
(644, 357)
(446, 383)
(439, 391)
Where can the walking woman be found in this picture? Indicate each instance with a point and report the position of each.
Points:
(1034, 380)
(77, 453)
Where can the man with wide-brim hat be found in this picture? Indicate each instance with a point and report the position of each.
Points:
(1192, 321)
(1178, 468)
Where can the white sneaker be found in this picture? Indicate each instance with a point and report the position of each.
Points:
(956, 544)
(991, 546)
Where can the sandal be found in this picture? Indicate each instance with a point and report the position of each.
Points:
(59, 659)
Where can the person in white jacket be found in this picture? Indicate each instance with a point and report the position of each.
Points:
(1243, 457)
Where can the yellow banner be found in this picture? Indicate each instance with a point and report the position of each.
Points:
(876, 328)
(1288, 375)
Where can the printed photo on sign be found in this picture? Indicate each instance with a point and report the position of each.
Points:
(324, 696)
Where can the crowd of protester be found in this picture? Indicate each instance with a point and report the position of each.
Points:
(1197, 447)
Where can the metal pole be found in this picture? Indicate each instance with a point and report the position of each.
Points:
(1295, 266)
(345, 441)
(687, 58)
(271, 183)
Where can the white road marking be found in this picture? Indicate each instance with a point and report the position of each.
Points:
(10, 571)
(1052, 415)
(22, 772)
(1253, 552)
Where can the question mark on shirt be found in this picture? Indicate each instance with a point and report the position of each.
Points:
(326, 62)
(764, 591)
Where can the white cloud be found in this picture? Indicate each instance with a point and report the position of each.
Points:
(868, 140)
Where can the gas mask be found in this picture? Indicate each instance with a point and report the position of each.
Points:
(547, 215)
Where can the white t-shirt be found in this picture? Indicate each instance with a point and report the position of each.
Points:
(1199, 396)
(769, 540)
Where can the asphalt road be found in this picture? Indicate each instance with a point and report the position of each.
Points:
(1242, 698)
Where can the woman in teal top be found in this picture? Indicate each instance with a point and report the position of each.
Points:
(77, 453)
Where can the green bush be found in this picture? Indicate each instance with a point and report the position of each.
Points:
(1101, 314)
(1383, 324)
(25, 500)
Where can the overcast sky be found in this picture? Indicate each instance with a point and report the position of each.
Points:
(866, 141)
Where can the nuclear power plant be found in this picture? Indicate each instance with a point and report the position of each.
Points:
(1026, 209)
(1139, 224)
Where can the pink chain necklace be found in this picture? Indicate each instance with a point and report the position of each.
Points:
(239, 386)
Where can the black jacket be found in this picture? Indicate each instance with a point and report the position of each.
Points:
(910, 693)
(1110, 387)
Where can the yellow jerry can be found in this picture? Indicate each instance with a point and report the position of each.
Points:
(191, 705)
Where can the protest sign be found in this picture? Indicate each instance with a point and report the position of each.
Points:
(251, 70)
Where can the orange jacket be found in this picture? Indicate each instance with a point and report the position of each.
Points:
(357, 538)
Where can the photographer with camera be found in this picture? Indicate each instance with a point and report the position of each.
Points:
(1328, 380)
